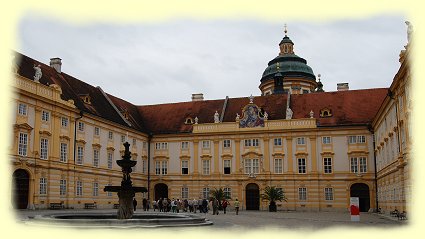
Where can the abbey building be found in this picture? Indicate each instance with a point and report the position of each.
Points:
(320, 147)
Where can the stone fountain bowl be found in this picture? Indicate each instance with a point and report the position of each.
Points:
(109, 220)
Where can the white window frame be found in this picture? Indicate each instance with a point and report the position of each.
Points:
(23, 144)
(206, 166)
(79, 188)
(44, 148)
(81, 126)
(226, 143)
(185, 165)
(326, 140)
(277, 142)
(62, 187)
(110, 156)
(227, 192)
(63, 152)
(43, 186)
(278, 165)
(206, 144)
(64, 122)
(255, 142)
(164, 168)
(185, 193)
(327, 165)
(185, 145)
(301, 141)
(329, 194)
(22, 109)
(157, 167)
(251, 166)
(134, 142)
(123, 138)
(302, 165)
(45, 116)
(96, 153)
(206, 193)
(96, 131)
(95, 189)
(227, 163)
(302, 194)
(110, 135)
(80, 155)
(248, 142)
(109, 193)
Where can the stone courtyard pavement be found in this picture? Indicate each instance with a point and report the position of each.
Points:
(258, 220)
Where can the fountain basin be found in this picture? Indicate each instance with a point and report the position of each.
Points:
(109, 220)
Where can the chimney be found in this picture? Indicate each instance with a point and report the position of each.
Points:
(342, 87)
(56, 63)
(198, 97)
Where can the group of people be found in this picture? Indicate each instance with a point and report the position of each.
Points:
(177, 205)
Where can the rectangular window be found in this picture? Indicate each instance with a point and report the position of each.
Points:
(185, 145)
(22, 109)
(43, 186)
(226, 164)
(255, 143)
(206, 166)
(80, 154)
(160, 146)
(361, 139)
(23, 144)
(79, 190)
(302, 194)
(109, 194)
(134, 142)
(44, 148)
(96, 158)
(143, 166)
(251, 166)
(278, 165)
(352, 139)
(329, 194)
(185, 193)
(248, 142)
(301, 165)
(81, 126)
(64, 122)
(354, 165)
(206, 144)
(64, 152)
(227, 192)
(326, 140)
(327, 165)
(110, 160)
(301, 141)
(278, 142)
(157, 167)
(145, 145)
(96, 131)
(95, 189)
(363, 164)
(164, 168)
(110, 135)
(185, 167)
(62, 187)
(206, 193)
(226, 143)
(123, 138)
(45, 116)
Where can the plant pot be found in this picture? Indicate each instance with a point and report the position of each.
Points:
(272, 207)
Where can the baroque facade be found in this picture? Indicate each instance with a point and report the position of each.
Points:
(319, 147)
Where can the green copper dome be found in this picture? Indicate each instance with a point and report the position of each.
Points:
(288, 65)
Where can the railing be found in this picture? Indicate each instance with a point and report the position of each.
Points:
(268, 125)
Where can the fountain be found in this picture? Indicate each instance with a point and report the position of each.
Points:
(125, 217)
(126, 191)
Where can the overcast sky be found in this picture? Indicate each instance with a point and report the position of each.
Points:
(163, 62)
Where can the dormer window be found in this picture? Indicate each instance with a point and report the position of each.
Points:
(188, 120)
(325, 113)
(85, 98)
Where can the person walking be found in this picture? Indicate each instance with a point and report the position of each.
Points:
(215, 203)
(160, 206)
(224, 205)
(236, 206)
(134, 204)
(145, 204)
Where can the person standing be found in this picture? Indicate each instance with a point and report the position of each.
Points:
(160, 206)
(145, 204)
(215, 203)
(134, 204)
(195, 205)
(236, 206)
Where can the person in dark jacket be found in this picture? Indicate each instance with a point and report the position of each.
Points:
(134, 204)
(145, 204)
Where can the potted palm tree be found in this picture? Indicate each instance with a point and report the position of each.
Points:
(273, 194)
(220, 195)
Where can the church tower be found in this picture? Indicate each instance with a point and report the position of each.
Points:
(287, 72)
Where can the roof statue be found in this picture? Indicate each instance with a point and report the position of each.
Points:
(311, 114)
(37, 74)
(196, 120)
(251, 99)
(288, 110)
(216, 117)
(409, 31)
(266, 116)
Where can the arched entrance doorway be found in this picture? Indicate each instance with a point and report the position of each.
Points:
(361, 191)
(21, 185)
(161, 191)
(252, 197)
